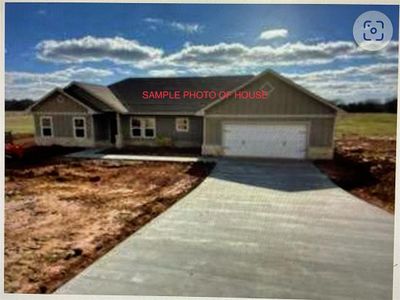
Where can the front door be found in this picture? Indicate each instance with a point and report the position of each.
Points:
(113, 128)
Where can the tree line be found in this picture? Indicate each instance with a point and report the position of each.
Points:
(18, 105)
(370, 106)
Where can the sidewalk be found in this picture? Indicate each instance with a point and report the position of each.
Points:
(254, 229)
(96, 154)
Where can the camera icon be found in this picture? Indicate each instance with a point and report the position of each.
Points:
(374, 30)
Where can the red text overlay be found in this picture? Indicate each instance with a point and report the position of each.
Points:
(204, 95)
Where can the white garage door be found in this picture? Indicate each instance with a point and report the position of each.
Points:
(277, 141)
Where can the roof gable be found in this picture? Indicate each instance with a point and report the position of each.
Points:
(305, 91)
(286, 97)
(59, 101)
(97, 96)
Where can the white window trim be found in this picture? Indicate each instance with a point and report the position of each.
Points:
(84, 127)
(42, 127)
(180, 129)
(142, 128)
(132, 127)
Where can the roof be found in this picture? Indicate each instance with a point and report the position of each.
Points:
(126, 96)
(102, 99)
(129, 92)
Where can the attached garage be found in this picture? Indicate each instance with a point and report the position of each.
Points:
(291, 123)
(265, 140)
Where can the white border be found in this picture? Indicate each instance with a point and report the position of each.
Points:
(396, 250)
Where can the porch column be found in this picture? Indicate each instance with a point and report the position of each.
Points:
(118, 136)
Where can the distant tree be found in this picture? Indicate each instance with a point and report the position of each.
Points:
(370, 106)
(18, 105)
(391, 106)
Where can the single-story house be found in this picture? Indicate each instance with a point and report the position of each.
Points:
(291, 122)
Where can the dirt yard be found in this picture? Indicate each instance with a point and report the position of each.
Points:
(63, 215)
(365, 166)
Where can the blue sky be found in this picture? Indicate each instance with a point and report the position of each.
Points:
(48, 45)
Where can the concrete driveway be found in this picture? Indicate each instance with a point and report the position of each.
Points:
(254, 229)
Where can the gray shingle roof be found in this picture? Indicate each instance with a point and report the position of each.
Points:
(108, 101)
(129, 92)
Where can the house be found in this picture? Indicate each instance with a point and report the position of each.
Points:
(291, 122)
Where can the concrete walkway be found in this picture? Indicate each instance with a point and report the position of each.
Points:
(96, 154)
(254, 229)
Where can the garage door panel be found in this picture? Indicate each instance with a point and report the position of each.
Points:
(265, 140)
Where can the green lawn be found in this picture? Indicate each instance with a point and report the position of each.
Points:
(19, 122)
(366, 124)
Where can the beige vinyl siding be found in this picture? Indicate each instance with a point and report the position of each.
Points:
(284, 99)
(321, 134)
(53, 104)
(166, 127)
(62, 125)
(321, 129)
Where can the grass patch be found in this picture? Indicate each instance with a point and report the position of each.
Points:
(366, 125)
(19, 122)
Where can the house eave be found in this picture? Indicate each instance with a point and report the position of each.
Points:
(61, 91)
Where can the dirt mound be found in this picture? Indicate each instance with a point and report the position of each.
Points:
(365, 167)
(63, 215)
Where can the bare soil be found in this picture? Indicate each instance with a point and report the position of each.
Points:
(62, 215)
(365, 166)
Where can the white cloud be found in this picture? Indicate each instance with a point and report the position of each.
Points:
(355, 83)
(154, 20)
(180, 26)
(116, 49)
(214, 57)
(352, 83)
(34, 85)
(164, 73)
(186, 27)
(273, 34)
(239, 55)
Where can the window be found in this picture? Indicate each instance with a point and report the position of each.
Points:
(46, 126)
(182, 124)
(79, 127)
(143, 127)
(135, 127)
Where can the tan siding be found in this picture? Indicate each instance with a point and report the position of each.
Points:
(53, 104)
(320, 135)
(321, 132)
(62, 124)
(284, 99)
(165, 127)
